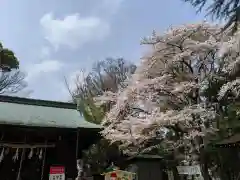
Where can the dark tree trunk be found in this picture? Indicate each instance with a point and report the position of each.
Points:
(204, 165)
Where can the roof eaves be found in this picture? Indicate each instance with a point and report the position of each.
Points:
(37, 102)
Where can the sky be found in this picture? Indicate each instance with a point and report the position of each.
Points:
(54, 39)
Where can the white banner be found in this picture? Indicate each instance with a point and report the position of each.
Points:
(189, 170)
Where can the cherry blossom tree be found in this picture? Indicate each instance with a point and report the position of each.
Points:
(166, 103)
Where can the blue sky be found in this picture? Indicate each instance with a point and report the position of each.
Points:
(57, 38)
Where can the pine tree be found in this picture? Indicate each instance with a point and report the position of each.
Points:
(228, 10)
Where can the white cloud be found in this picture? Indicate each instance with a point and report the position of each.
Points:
(73, 30)
(112, 6)
(45, 52)
(48, 66)
(25, 93)
(107, 8)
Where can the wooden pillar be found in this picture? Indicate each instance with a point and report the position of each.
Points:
(44, 160)
(21, 160)
(77, 143)
(21, 163)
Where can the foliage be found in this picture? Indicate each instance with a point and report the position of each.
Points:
(100, 155)
(8, 60)
(90, 111)
(221, 10)
(11, 79)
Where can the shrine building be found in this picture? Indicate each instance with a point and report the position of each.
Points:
(36, 135)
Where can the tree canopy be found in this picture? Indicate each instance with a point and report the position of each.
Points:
(8, 60)
(165, 96)
(106, 75)
(11, 79)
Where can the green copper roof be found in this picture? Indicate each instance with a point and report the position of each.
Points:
(40, 113)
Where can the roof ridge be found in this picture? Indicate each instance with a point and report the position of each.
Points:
(37, 102)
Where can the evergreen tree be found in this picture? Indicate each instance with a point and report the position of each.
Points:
(228, 10)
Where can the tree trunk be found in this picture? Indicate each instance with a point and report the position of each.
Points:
(204, 165)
